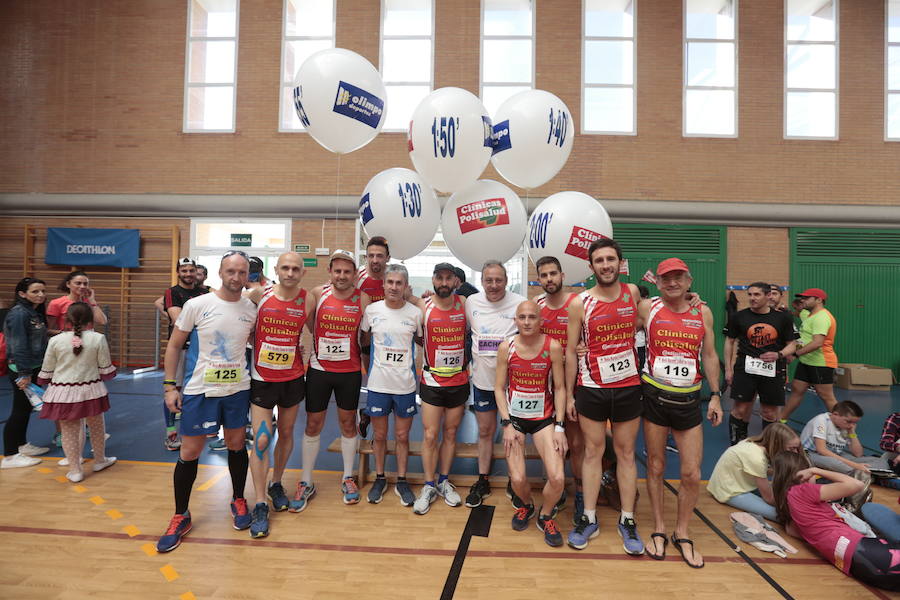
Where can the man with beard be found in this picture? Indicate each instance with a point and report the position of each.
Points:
(444, 386)
(370, 278)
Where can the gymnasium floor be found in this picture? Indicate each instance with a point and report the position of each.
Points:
(96, 539)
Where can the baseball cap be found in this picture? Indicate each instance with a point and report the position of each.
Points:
(813, 293)
(444, 267)
(671, 264)
(185, 260)
(343, 255)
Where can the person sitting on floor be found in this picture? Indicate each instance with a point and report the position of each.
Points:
(740, 478)
(831, 441)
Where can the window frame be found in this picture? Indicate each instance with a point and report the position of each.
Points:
(585, 86)
(887, 67)
(388, 84)
(686, 87)
(187, 71)
(196, 250)
(284, 42)
(837, 76)
(481, 54)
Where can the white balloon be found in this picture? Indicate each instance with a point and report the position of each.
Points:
(340, 99)
(398, 205)
(450, 138)
(485, 220)
(564, 225)
(533, 136)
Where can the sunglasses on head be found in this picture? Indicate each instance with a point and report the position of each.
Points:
(233, 252)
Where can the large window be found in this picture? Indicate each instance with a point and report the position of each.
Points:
(265, 238)
(210, 71)
(407, 57)
(892, 71)
(810, 69)
(307, 27)
(608, 63)
(710, 65)
(507, 50)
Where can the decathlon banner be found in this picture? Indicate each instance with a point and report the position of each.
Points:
(99, 247)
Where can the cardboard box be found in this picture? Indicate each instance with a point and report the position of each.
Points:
(851, 376)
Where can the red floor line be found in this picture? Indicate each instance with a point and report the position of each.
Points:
(561, 554)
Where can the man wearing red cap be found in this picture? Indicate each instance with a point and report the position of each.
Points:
(815, 351)
(679, 339)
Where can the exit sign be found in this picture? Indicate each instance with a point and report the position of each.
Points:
(310, 262)
(301, 248)
(241, 239)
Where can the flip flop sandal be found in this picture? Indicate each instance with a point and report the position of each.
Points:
(678, 542)
(665, 543)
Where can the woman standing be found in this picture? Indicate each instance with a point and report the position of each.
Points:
(25, 330)
(78, 288)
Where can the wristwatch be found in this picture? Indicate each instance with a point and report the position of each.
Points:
(504, 422)
(561, 424)
(719, 394)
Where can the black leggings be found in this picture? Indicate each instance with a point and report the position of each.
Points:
(17, 423)
(872, 562)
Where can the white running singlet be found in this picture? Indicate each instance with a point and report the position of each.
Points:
(491, 323)
(392, 362)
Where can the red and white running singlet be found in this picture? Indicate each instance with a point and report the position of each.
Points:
(608, 332)
(444, 344)
(336, 336)
(373, 287)
(555, 321)
(674, 341)
(276, 352)
(529, 392)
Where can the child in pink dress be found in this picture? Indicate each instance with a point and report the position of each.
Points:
(76, 364)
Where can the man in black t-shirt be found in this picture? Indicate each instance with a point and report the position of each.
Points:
(757, 340)
(173, 301)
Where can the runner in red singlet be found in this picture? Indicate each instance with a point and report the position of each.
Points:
(276, 379)
(370, 278)
(334, 368)
(528, 364)
(604, 385)
(444, 386)
(680, 339)
(554, 305)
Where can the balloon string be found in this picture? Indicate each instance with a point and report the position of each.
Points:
(337, 192)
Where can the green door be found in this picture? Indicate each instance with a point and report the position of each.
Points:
(702, 247)
(860, 272)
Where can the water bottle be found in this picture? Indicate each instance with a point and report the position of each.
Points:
(35, 395)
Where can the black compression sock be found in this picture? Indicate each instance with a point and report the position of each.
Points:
(238, 463)
(183, 480)
(737, 429)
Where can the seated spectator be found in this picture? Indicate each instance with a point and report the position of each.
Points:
(740, 478)
(830, 440)
(890, 441)
(805, 509)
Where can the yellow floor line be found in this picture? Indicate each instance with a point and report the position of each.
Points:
(169, 572)
(149, 549)
(131, 530)
(113, 514)
(212, 480)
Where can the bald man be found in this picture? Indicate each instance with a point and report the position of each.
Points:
(531, 398)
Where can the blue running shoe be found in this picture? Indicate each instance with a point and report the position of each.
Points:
(513, 497)
(560, 504)
(217, 445)
(579, 508)
(584, 531)
(521, 517)
(305, 492)
(551, 532)
(279, 498)
(376, 492)
(402, 489)
(259, 528)
(350, 490)
(241, 514)
(178, 527)
(631, 541)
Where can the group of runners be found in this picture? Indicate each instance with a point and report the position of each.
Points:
(559, 369)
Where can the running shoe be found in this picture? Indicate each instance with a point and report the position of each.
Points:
(423, 503)
(302, 496)
(217, 445)
(402, 489)
(19, 460)
(99, 465)
(584, 531)
(480, 490)
(178, 527)
(363, 425)
(350, 490)
(259, 527)
(172, 442)
(279, 498)
(521, 517)
(631, 541)
(29, 449)
(448, 492)
(376, 492)
(552, 535)
(513, 498)
(579, 507)
(241, 514)
(560, 504)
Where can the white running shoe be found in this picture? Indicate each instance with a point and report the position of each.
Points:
(19, 460)
(99, 466)
(75, 476)
(448, 492)
(423, 503)
(64, 462)
(32, 450)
